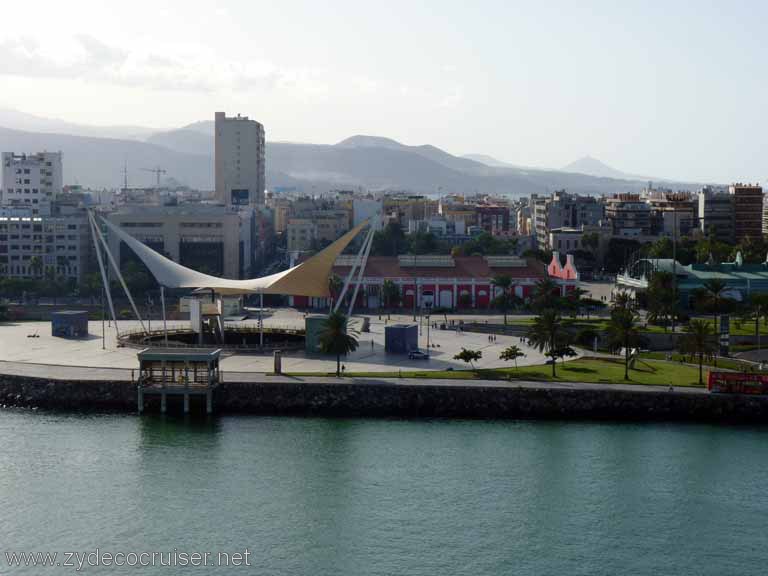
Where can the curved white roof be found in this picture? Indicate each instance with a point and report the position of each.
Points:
(310, 278)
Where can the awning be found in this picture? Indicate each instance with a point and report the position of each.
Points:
(310, 278)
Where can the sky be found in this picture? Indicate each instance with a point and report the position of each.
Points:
(669, 88)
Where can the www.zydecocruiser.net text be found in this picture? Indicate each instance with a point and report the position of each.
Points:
(97, 557)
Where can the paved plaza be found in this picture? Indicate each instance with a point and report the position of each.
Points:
(17, 345)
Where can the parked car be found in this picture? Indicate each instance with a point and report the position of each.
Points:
(418, 355)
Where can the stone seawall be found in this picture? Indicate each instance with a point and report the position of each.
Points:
(392, 399)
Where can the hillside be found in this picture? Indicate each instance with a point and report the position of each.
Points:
(360, 161)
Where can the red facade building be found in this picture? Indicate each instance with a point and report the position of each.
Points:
(437, 281)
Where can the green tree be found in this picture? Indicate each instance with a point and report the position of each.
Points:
(335, 339)
(547, 334)
(698, 341)
(37, 266)
(390, 241)
(590, 241)
(504, 283)
(753, 250)
(622, 331)
(715, 287)
(91, 285)
(390, 293)
(469, 356)
(512, 354)
(662, 298)
(756, 308)
(573, 299)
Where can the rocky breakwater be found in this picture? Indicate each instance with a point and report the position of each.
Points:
(25, 391)
(409, 399)
(391, 398)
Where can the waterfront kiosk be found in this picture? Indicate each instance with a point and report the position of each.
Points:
(179, 372)
(69, 324)
(401, 338)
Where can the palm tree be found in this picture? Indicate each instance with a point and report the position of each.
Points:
(503, 282)
(547, 335)
(623, 300)
(698, 340)
(546, 294)
(512, 353)
(335, 285)
(715, 288)
(335, 339)
(623, 331)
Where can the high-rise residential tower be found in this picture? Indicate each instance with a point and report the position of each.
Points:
(747, 210)
(239, 161)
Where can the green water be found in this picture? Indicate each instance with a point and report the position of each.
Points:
(356, 497)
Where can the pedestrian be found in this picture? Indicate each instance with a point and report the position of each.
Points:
(371, 343)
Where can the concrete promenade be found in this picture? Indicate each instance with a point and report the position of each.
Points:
(18, 345)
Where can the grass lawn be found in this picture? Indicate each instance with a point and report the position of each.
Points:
(743, 328)
(727, 363)
(595, 370)
(598, 324)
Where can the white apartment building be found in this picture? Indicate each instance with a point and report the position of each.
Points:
(31, 181)
(239, 161)
(44, 246)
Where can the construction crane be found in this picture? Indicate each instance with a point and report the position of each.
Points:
(157, 171)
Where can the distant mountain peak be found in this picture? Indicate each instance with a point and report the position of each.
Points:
(488, 160)
(593, 167)
(365, 141)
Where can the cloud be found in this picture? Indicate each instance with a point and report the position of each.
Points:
(171, 67)
(453, 98)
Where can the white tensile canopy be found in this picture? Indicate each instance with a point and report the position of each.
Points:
(310, 278)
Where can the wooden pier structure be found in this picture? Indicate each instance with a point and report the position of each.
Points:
(178, 372)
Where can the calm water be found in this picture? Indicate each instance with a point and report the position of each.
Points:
(356, 497)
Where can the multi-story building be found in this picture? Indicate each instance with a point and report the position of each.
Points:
(628, 215)
(239, 161)
(405, 207)
(302, 234)
(31, 181)
(562, 210)
(493, 219)
(673, 214)
(35, 246)
(212, 239)
(716, 215)
(314, 229)
(747, 210)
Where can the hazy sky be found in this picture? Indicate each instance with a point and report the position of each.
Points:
(672, 89)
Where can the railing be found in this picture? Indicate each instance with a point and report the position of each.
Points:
(138, 338)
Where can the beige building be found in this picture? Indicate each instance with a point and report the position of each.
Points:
(302, 233)
(211, 239)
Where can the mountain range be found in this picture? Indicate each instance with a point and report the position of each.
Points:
(95, 157)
